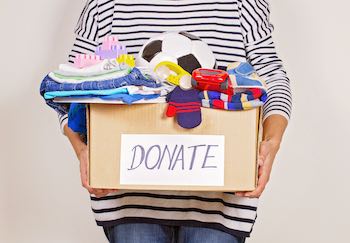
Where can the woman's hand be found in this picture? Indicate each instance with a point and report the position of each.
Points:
(83, 157)
(82, 152)
(273, 129)
(267, 153)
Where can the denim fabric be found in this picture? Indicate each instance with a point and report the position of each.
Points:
(155, 233)
(134, 78)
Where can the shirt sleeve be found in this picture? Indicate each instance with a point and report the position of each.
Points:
(86, 40)
(261, 53)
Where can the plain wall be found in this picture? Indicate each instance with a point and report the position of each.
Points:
(307, 199)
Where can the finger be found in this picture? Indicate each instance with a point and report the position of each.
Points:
(99, 195)
(240, 194)
(260, 171)
(102, 192)
(257, 192)
(263, 153)
(261, 161)
(111, 190)
(262, 182)
(254, 194)
(90, 190)
(263, 149)
(96, 192)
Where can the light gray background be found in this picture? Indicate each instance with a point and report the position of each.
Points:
(307, 200)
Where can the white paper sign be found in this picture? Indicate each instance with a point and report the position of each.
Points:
(194, 160)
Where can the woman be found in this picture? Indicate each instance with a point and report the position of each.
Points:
(236, 30)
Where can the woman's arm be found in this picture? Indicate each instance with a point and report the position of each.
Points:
(85, 43)
(82, 152)
(261, 53)
(273, 130)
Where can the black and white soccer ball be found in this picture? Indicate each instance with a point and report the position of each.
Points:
(182, 48)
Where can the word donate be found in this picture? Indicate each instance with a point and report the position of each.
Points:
(194, 160)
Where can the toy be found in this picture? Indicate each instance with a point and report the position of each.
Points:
(212, 79)
(110, 48)
(126, 59)
(86, 60)
(181, 48)
(172, 72)
(114, 52)
(109, 41)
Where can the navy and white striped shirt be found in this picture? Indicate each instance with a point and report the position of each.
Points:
(236, 30)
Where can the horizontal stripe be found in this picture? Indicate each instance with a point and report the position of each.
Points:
(140, 25)
(227, 199)
(171, 4)
(206, 28)
(168, 11)
(169, 209)
(176, 203)
(206, 17)
(173, 215)
(189, 223)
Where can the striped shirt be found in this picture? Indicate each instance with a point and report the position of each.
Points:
(236, 30)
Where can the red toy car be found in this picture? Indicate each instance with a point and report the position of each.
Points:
(212, 79)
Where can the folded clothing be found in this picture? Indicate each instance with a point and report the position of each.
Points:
(125, 98)
(241, 96)
(162, 90)
(232, 106)
(106, 66)
(59, 78)
(249, 90)
(143, 90)
(243, 76)
(71, 93)
(241, 68)
(97, 100)
(134, 78)
(129, 99)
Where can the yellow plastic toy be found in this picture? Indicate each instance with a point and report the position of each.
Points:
(169, 70)
(127, 59)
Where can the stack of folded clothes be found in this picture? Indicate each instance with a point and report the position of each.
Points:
(109, 75)
(248, 90)
(106, 80)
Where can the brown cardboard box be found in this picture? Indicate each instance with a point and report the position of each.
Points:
(107, 123)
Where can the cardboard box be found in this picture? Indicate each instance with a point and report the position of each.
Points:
(162, 166)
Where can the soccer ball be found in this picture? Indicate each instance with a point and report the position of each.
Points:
(182, 48)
